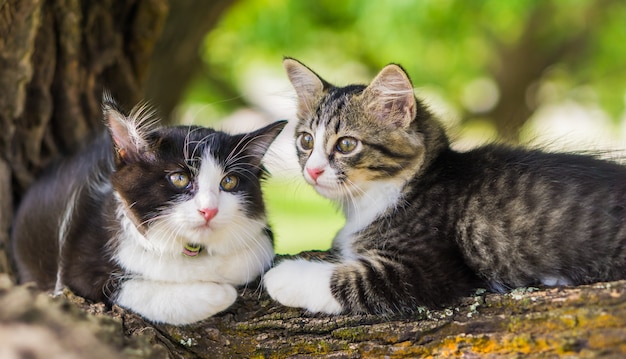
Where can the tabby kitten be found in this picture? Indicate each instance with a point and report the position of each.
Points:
(164, 221)
(426, 224)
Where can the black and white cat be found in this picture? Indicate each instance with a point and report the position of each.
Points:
(426, 224)
(164, 221)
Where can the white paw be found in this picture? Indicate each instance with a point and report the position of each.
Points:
(303, 284)
(551, 281)
(175, 303)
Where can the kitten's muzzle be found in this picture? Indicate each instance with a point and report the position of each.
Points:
(208, 213)
(314, 173)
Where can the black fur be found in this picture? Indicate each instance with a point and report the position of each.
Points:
(75, 203)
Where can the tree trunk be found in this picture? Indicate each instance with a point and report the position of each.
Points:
(177, 56)
(57, 57)
(519, 67)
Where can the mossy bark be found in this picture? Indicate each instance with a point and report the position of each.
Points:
(585, 321)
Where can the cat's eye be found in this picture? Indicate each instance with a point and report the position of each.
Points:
(229, 183)
(179, 180)
(306, 141)
(347, 144)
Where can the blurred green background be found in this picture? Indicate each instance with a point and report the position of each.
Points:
(548, 73)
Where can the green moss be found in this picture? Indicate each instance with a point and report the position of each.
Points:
(305, 347)
(351, 334)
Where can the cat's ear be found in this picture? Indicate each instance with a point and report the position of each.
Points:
(390, 97)
(256, 143)
(308, 85)
(129, 132)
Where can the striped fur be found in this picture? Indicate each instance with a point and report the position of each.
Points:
(426, 224)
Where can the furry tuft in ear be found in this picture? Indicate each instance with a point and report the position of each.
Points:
(308, 85)
(256, 143)
(129, 132)
(391, 98)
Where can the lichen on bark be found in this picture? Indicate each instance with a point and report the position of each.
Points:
(585, 321)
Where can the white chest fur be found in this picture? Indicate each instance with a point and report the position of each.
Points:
(163, 285)
(156, 257)
(362, 211)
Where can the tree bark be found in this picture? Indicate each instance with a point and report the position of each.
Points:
(177, 57)
(57, 57)
(520, 66)
(586, 321)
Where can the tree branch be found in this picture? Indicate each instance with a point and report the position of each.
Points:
(578, 321)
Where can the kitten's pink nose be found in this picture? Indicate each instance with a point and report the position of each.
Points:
(208, 213)
(314, 172)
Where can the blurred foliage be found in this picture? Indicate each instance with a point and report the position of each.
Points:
(301, 218)
(445, 45)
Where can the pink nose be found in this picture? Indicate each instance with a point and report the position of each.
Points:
(208, 213)
(315, 172)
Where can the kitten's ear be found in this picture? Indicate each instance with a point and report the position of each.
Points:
(129, 132)
(308, 85)
(390, 97)
(258, 142)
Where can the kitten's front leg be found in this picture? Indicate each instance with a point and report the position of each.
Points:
(175, 303)
(303, 284)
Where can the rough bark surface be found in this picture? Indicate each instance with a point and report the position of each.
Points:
(586, 321)
(56, 57)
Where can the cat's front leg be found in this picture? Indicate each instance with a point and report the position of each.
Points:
(303, 284)
(175, 303)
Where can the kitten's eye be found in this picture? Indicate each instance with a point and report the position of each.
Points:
(179, 180)
(229, 183)
(347, 144)
(306, 141)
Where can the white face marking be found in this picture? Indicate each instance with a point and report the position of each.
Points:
(318, 159)
(303, 284)
(184, 222)
(208, 196)
(208, 179)
(327, 183)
